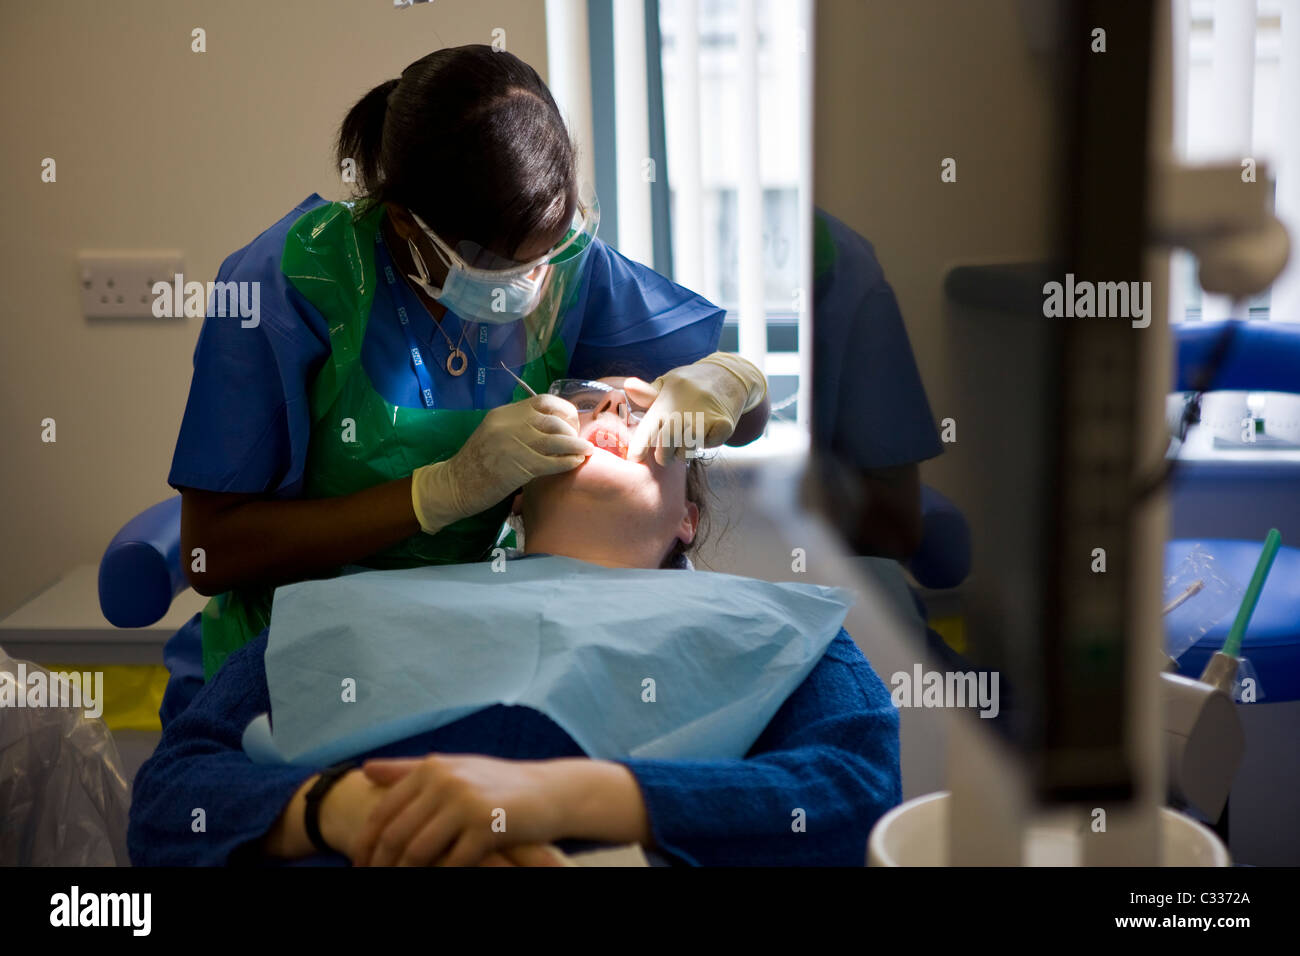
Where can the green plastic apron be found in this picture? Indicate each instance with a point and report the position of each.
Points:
(358, 438)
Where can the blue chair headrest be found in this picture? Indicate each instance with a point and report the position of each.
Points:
(1250, 356)
(141, 571)
(943, 559)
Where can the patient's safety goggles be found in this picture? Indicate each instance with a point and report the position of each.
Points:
(590, 397)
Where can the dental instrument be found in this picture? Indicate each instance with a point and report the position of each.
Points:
(531, 391)
(1193, 589)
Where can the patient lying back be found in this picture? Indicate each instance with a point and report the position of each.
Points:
(501, 784)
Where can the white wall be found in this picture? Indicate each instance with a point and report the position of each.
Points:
(159, 147)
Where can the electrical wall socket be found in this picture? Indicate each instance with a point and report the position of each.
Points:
(119, 285)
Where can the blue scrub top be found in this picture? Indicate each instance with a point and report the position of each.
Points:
(869, 405)
(247, 421)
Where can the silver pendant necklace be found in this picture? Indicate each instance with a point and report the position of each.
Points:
(456, 360)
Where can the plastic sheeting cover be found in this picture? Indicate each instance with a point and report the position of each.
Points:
(63, 796)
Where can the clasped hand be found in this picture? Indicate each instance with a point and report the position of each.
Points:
(445, 810)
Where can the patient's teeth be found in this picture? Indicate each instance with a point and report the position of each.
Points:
(609, 440)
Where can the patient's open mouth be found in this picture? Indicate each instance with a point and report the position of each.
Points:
(610, 440)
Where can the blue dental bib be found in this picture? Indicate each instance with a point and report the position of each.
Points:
(629, 662)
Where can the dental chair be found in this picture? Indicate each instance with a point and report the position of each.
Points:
(1226, 507)
(141, 570)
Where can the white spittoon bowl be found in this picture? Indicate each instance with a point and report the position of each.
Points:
(915, 833)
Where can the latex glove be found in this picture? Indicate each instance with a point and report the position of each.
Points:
(512, 445)
(694, 406)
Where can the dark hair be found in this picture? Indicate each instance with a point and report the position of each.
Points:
(471, 140)
(697, 491)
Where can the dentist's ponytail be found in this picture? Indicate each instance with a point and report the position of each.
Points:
(361, 136)
(471, 141)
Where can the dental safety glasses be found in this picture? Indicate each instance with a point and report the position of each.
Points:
(479, 263)
(589, 397)
(593, 399)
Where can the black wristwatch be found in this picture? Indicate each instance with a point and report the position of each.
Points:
(315, 796)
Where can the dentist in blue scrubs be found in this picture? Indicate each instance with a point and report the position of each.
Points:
(390, 395)
(872, 413)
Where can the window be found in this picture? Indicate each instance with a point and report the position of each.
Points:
(716, 105)
(1237, 95)
(736, 121)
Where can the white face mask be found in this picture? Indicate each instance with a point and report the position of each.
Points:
(480, 295)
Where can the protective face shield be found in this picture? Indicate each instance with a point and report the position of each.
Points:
(526, 297)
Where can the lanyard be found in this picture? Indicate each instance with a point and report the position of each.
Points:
(417, 359)
(480, 379)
